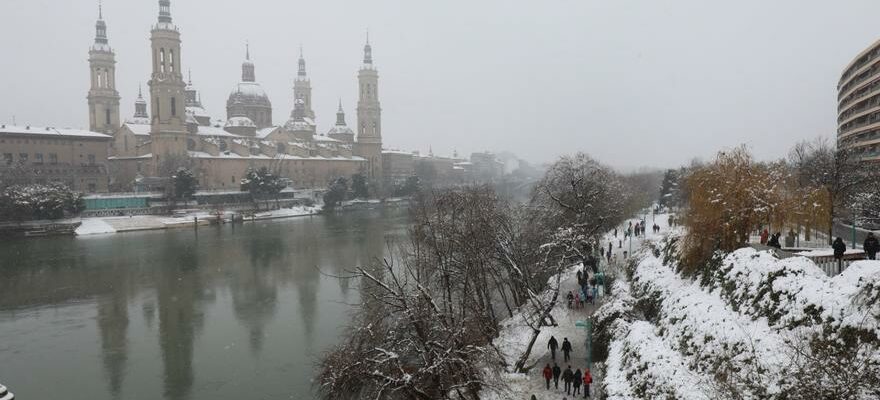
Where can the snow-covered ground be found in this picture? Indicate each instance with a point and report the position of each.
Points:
(740, 324)
(94, 226)
(104, 225)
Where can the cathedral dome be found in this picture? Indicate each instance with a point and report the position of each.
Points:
(249, 94)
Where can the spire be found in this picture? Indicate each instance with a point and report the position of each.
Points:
(165, 11)
(140, 105)
(302, 64)
(368, 51)
(247, 67)
(340, 115)
(100, 26)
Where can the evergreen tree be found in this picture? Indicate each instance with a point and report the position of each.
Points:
(336, 193)
(359, 186)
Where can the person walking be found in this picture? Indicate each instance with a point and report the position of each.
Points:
(576, 381)
(548, 375)
(765, 235)
(615, 232)
(588, 380)
(566, 349)
(839, 249)
(553, 345)
(774, 241)
(556, 373)
(567, 377)
(871, 246)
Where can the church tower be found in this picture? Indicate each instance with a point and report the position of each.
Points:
(369, 113)
(103, 97)
(302, 87)
(167, 97)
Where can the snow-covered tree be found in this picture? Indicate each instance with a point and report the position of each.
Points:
(184, 184)
(359, 186)
(336, 193)
(27, 202)
(262, 183)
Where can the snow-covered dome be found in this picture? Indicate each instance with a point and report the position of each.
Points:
(249, 94)
(340, 130)
(240, 122)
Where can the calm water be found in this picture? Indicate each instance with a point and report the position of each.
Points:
(218, 313)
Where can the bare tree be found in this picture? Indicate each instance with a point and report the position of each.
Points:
(838, 172)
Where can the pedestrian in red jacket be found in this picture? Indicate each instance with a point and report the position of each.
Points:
(588, 379)
(548, 375)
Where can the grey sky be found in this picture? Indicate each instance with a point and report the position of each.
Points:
(631, 82)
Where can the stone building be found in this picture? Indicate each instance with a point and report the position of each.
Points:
(178, 131)
(77, 158)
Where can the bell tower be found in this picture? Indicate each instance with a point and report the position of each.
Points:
(302, 87)
(103, 97)
(167, 91)
(369, 113)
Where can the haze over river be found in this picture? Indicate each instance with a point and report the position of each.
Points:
(219, 313)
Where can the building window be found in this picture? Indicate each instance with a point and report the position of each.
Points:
(91, 159)
(53, 158)
(233, 179)
(139, 166)
(38, 158)
(107, 117)
(171, 60)
(23, 157)
(173, 107)
(162, 60)
(8, 158)
(92, 188)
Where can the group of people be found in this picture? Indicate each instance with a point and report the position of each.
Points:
(636, 229)
(586, 291)
(572, 380)
(871, 245)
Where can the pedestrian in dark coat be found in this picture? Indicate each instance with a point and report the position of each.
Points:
(839, 249)
(548, 375)
(871, 246)
(557, 372)
(588, 380)
(567, 377)
(615, 232)
(566, 349)
(534, 398)
(576, 382)
(553, 345)
(774, 241)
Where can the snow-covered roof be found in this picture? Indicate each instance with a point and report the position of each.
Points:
(293, 125)
(400, 152)
(240, 121)
(145, 156)
(322, 138)
(262, 133)
(102, 47)
(48, 131)
(138, 129)
(214, 131)
(137, 121)
(197, 111)
(230, 154)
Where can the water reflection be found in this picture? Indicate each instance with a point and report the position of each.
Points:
(266, 277)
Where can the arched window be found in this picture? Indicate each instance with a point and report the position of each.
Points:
(171, 60)
(162, 60)
(173, 106)
(100, 78)
(107, 117)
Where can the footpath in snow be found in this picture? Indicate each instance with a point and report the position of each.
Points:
(515, 334)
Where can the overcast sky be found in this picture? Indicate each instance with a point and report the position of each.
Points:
(634, 83)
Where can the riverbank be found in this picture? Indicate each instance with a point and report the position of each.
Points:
(110, 225)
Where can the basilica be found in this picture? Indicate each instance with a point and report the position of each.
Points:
(173, 129)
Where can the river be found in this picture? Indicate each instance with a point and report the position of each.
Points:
(224, 312)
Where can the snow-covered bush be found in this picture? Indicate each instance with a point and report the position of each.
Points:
(29, 202)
